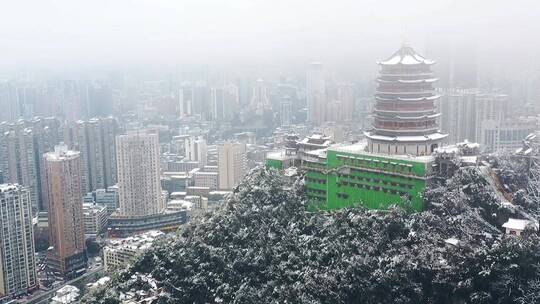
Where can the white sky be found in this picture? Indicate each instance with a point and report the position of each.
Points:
(162, 32)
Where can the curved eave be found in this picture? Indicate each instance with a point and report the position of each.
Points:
(421, 131)
(405, 93)
(402, 111)
(407, 81)
(428, 98)
(435, 115)
(413, 138)
(408, 118)
(392, 63)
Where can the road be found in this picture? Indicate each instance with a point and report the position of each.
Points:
(42, 297)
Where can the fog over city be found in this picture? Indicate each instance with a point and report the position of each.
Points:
(63, 34)
(269, 151)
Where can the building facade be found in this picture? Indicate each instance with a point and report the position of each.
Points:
(232, 164)
(95, 140)
(17, 262)
(196, 150)
(95, 218)
(316, 93)
(66, 220)
(139, 185)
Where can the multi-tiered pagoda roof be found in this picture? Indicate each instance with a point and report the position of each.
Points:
(405, 109)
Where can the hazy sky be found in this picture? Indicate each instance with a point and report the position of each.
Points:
(164, 32)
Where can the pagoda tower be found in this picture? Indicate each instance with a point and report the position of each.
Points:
(404, 116)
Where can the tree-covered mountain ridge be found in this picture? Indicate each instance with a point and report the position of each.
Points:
(263, 246)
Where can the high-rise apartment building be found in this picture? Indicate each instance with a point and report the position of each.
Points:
(458, 114)
(66, 220)
(139, 188)
(17, 263)
(196, 150)
(95, 139)
(232, 164)
(260, 100)
(21, 146)
(345, 94)
(316, 93)
(185, 100)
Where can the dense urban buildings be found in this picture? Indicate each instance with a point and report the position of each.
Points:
(119, 253)
(17, 262)
(95, 139)
(63, 176)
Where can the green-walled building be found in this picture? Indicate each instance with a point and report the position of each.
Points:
(348, 176)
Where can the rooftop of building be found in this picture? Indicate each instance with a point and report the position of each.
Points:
(9, 187)
(180, 204)
(60, 153)
(137, 242)
(279, 155)
(406, 55)
(518, 224)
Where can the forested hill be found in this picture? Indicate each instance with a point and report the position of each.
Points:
(263, 247)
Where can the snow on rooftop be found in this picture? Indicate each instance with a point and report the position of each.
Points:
(278, 155)
(518, 224)
(452, 241)
(406, 56)
(417, 138)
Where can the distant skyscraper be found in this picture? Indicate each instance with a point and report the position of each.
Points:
(22, 145)
(66, 220)
(17, 263)
(95, 139)
(405, 119)
(100, 100)
(19, 160)
(232, 164)
(345, 94)
(185, 100)
(316, 94)
(231, 100)
(458, 114)
(218, 104)
(139, 188)
(196, 150)
(9, 102)
(201, 100)
(260, 100)
(285, 111)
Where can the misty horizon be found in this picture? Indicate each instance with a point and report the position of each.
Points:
(349, 36)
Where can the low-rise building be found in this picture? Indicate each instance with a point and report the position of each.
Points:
(347, 175)
(95, 218)
(108, 198)
(517, 226)
(199, 202)
(506, 134)
(119, 253)
(122, 226)
(66, 295)
(205, 179)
